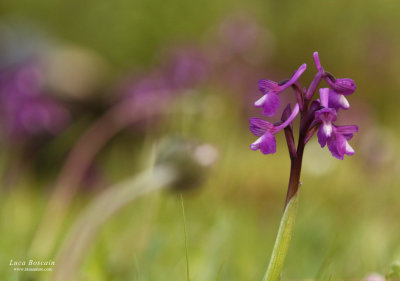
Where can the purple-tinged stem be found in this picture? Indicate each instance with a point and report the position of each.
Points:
(310, 133)
(306, 119)
(295, 171)
(289, 133)
(296, 162)
(299, 96)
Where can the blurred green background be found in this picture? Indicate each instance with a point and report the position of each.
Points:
(91, 50)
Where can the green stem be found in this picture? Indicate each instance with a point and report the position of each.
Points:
(282, 240)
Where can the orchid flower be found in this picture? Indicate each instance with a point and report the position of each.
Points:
(336, 137)
(270, 100)
(266, 132)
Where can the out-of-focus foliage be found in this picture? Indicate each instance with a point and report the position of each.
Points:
(91, 57)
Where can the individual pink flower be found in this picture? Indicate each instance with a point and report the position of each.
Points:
(266, 132)
(335, 136)
(270, 100)
(343, 86)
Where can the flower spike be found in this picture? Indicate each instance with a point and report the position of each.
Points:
(316, 115)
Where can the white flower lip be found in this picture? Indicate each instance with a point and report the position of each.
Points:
(327, 127)
(260, 101)
(255, 144)
(344, 102)
(349, 149)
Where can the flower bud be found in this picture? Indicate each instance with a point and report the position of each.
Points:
(343, 86)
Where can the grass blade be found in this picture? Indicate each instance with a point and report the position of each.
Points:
(186, 246)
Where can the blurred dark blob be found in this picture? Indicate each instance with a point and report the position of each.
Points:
(190, 159)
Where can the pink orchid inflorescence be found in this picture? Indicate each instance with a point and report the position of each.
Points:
(316, 115)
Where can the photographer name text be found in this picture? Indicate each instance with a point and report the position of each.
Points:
(31, 262)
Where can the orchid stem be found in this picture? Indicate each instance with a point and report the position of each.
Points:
(285, 231)
(282, 241)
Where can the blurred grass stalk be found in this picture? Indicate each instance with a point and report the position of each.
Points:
(186, 242)
(76, 165)
(98, 212)
(282, 241)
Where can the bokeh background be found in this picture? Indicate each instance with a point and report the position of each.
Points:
(109, 81)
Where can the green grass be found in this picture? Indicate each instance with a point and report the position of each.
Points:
(347, 225)
(186, 242)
